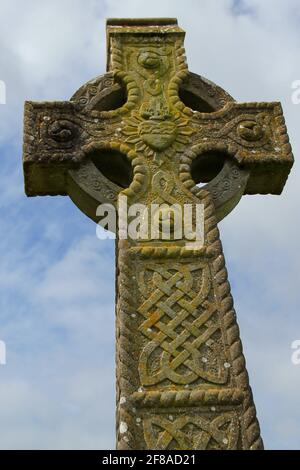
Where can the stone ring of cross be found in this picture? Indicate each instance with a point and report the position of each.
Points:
(151, 130)
(101, 182)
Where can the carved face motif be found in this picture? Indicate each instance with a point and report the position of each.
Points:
(149, 60)
(158, 135)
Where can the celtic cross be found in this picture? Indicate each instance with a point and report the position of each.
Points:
(152, 131)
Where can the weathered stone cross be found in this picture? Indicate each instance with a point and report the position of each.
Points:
(152, 131)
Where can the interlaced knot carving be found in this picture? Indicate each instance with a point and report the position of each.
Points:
(177, 327)
(218, 433)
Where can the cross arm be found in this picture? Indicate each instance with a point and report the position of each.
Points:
(53, 136)
(57, 136)
(255, 135)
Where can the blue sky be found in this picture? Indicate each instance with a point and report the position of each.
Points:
(57, 278)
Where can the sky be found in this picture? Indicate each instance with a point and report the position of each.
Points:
(57, 278)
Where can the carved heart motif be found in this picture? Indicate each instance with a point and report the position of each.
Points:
(158, 135)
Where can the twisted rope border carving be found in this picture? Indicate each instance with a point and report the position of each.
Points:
(249, 420)
(125, 360)
(187, 398)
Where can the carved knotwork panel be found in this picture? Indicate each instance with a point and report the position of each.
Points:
(183, 341)
(190, 430)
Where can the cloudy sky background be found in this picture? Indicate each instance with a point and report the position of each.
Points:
(57, 279)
